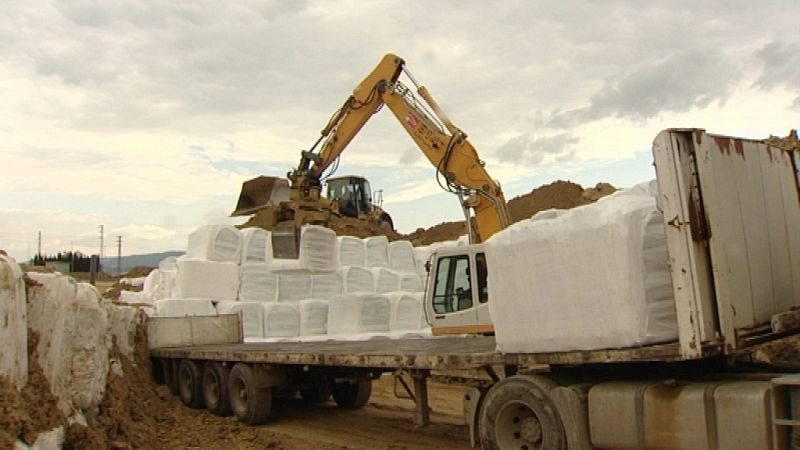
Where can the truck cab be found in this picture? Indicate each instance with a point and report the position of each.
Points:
(456, 296)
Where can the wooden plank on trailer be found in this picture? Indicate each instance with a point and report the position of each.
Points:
(193, 330)
(773, 169)
(727, 247)
(790, 193)
(673, 204)
(746, 157)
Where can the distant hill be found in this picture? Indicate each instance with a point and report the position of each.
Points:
(109, 264)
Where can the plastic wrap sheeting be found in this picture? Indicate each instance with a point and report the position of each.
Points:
(166, 286)
(251, 315)
(151, 282)
(407, 313)
(294, 286)
(359, 313)
(73, 344)
(258, 283)
(325, 285)
(401, 256)
(255, 242)
(313, 317)
(411, 282)
(386, 280)
(216, 281)
(377, 251)
(122, 323)
(14, 323)
(357, 279)
(281, 320)
(594, 277)
(180, 307)
(219, 243)
(351, 251)
(137, 298)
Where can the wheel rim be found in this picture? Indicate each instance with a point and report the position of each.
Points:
(211, 385)
(517, 426)
(186, 383)
(239, 396)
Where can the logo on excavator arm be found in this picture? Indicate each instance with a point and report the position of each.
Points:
(411, 121)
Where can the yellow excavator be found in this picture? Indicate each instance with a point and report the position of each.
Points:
(459, 170)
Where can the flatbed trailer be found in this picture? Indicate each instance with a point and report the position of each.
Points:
(732, 217)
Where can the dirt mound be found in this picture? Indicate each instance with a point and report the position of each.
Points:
(559, 195)
(789, 142)
(31, 411)
(138, 272)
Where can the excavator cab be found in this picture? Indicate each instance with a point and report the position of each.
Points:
(353, 194)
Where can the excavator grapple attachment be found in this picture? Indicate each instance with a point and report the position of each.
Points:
(259, 193)
(285, 240)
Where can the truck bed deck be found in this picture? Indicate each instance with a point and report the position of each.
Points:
(427, 353)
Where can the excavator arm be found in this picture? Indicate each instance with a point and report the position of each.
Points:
(459, 169)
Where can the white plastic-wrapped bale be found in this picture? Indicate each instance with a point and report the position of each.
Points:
(313, 317)
(14, 323)
(325, 285)
(255, 243)
(377, 251)
(181, 307)
(251, 315)
(401, 256)
(258, 283)
(135, 298)
(216, 281)
(151, 283)
(357, 279)
(317, 252)
(281, 320)
(73, 344)
(221, 243)
(411, 282)
(351, 251)
(594, 277)
(359, 313)
(407, 313)
(386, 280)
(168, 263)
(294, 286)
(122, 323)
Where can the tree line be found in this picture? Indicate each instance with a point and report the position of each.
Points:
(79, 261)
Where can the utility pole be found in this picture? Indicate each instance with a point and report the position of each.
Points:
(101, 241)
(119, 256)
(39, 251)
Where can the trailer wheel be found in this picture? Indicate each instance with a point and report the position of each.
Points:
(215, 388)
(190, 385)
(157, 370)
(317, 394)
(352, 395)
(251, 404)
(170, 376)
(518, 413)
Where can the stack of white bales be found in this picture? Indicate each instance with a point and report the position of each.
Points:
(209, 272)
(14, 324)
(337, 286)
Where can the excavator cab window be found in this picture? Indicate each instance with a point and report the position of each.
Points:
(452, 291)
(353, 194)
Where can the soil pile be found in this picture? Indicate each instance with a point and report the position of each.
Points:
(559, 195)
(789, 142)
(28, 412)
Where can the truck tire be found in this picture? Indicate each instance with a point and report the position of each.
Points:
(316, 394)
(352, 395)
(170, 375)
(215, 388)
(518, 413)
(190, 384)
(251, 404)
(157, 370)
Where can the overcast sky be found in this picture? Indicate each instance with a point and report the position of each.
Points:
(146, 116)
